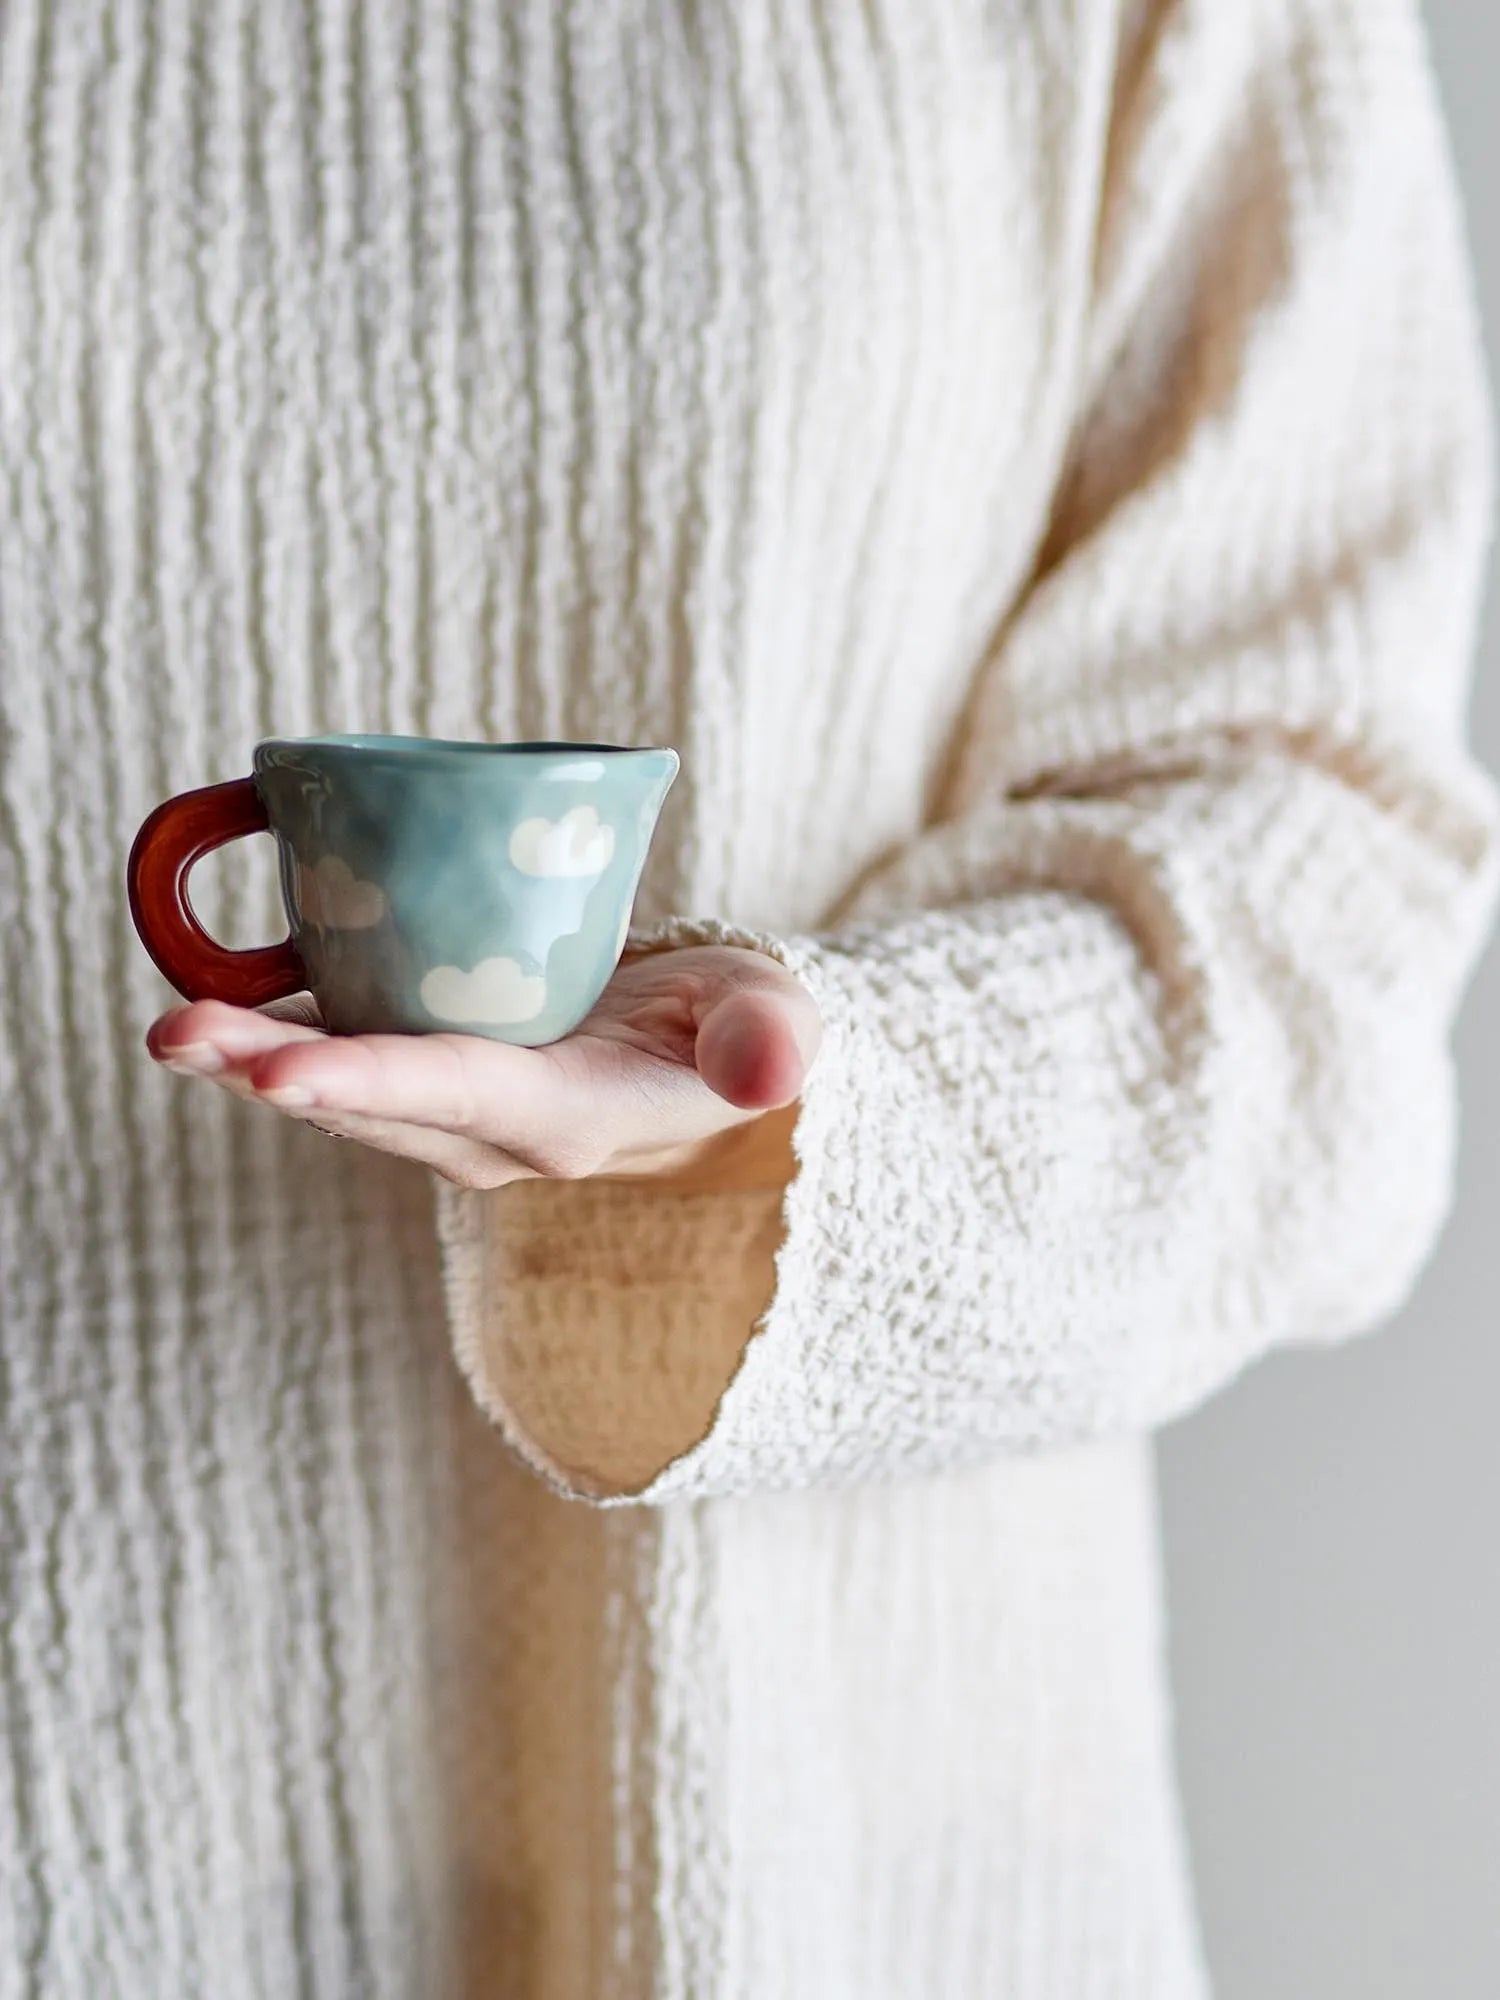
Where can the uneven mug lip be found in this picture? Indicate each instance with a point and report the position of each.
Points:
(416, 746)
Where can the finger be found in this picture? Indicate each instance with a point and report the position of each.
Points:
(468, 1162)
(755, 1043)
(234, 1039)
(486, 1092)
(208, 1035)
(459, 1083)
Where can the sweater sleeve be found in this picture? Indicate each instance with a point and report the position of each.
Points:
(1135, 1063)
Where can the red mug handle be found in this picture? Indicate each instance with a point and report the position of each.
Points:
(176, 835)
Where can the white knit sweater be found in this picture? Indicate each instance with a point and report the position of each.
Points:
(1032, 462)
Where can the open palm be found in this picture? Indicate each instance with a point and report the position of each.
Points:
(673, 1076)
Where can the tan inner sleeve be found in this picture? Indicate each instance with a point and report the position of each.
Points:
(614, 1318)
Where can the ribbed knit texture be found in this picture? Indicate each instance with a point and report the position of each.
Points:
(1032, 462)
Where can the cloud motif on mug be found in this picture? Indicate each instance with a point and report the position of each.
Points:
(578, 844)
(332, 894)
(496, 994)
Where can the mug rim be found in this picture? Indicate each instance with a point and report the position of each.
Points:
(362, 743)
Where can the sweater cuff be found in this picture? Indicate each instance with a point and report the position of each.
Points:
(999, 1041)
(639, 1344)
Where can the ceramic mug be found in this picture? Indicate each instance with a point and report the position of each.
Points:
(478, 887)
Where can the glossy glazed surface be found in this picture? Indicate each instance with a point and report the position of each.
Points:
(479, 887)
(178, 834)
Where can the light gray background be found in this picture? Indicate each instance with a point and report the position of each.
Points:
(1332, 1528)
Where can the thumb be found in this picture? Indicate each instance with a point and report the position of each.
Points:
(758, 1036)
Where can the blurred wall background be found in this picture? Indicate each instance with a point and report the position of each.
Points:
(1333, 1527)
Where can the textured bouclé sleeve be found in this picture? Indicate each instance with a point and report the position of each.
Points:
(1136, 1063)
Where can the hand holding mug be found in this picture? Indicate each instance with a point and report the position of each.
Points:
(458, 912)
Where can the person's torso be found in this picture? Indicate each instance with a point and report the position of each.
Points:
(694, 375)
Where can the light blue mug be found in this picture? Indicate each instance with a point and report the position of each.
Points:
(479, 887)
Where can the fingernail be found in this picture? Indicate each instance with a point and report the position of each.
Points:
(292, 1096)
(197, 1058)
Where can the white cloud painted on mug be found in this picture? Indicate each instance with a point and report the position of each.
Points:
(575, 845)
(496, 994)
(332, 894)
